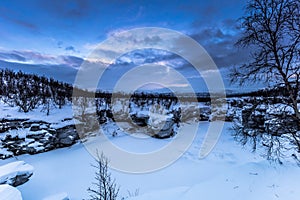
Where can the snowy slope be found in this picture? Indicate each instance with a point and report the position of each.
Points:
(60, 196)
(56, 115)
(8, 192)
(230, 172)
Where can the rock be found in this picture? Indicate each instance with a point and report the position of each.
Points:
(35, 147)
(67, 141)
(4, 153)
(67, 136)
(15, 173)
(167, 131)
(8, 192)
(35, 127)
(29, 123)
(52, 131)
(140, 119)
(6, 124)
(67, 119)
(37, 135)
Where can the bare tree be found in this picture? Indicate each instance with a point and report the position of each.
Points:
(105, 188)
(271, 31)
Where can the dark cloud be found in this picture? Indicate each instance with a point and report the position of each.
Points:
(59, 44)
(219, 42)
(24, 24)
(15, 18)
(72, 9)
(209, 35)
(211, 12)
(70, 48)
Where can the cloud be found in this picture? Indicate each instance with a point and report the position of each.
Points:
(32, 57)
(123, 35)
(15, 18)
(219, 41)
(71, 49)
(25, 24)
(59, 44)
(72, 61)
(12, 56)
(72, 9)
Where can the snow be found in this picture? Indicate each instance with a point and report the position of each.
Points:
(9, 171)
(5, 152)
(37, 146)
(41, 132)
(60, 196)
(8, 192)
(13, 133)
(58, 118)
(228, 172)
(56, 115)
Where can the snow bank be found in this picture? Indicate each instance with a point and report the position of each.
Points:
(15, 173)
(60, 196)
(8, 192)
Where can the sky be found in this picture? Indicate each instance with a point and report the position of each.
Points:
(54, 37)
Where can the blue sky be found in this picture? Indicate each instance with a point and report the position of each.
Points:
(51, 33)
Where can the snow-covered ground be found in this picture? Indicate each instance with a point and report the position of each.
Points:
(57, 116)
(230, 172)
(8, 192)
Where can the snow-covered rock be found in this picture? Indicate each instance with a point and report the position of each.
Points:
(15, 173)
(4, 153)
(60, 196)
(162, 125)
(66, 136)
(8, 192)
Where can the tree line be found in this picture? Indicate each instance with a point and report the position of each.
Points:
(27, 91)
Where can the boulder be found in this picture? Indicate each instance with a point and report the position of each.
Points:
(167, 131)
(15, 173)
(67, 136)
